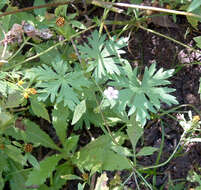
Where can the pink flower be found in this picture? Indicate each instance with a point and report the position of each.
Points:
(111, 93)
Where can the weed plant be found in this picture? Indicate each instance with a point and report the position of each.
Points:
(49, 73)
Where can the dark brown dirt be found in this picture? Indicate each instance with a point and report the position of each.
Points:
(147, 48)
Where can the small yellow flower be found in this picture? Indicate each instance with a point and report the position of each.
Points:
(26, 95)
(20, 83)
(32, 91)
(196, 118)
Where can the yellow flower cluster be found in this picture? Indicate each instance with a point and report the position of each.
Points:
(28, 92)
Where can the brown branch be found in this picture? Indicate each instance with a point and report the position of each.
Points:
(34, 7)
(94, 2)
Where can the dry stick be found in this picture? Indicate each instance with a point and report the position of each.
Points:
(155, 9)
(105, 27)
(34, 7)
(102, 4)
(94, 2)
(106, 5)
(76, 51)
(113, 7)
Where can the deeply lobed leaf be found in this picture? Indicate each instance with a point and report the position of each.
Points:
(146, 95)
(103, 55)
(59, 83)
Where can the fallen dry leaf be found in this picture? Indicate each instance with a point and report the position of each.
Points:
(163, 21)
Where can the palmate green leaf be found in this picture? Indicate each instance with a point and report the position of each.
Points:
(146, 95)
(59, 83)
(103, 56)
(39, 109)
(59, 119)
(97, 154)
(47, 166)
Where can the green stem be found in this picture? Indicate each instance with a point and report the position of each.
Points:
(127, 179)
(178, 107)
(105, 13)
(171, 156)
(182, 137)
(102, 115)
(167, 37)
(136, 182)
(160, 152)
(24, 43)
(145, 181)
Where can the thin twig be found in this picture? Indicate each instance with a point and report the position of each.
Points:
(76, 51)
(34, 7)
(136, 182)
(155, 9)
(94, 2)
